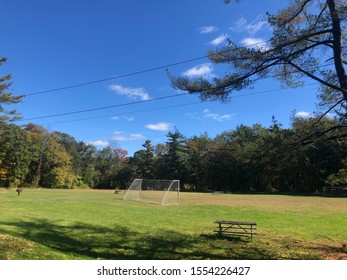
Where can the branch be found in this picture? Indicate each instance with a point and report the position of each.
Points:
(300, 38)
(302, 7)
(258, 69)
(319, 16)
(327, 43)
(326, 112)
(223, 55)
(344, 91)
(312, 137)
(335, 137)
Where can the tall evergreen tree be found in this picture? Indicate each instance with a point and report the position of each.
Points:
(7, 98)
(144, 161)
(309, 41)
(176, 157)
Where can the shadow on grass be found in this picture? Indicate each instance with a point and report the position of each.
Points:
(231, 238)
(85, 241)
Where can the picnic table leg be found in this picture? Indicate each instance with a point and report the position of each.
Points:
(220, 230)
(251, 233)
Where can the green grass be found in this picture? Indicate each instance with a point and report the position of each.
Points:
(69, 224)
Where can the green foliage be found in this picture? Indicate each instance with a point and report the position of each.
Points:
(176, 156)
(246, 159)
(339, 178)
(143, 160)
(6, 98)
(31, 157)
(112, 169)
(15, 155)
(199, 167)
(56, 166)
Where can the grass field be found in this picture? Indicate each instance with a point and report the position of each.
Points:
(71, 224)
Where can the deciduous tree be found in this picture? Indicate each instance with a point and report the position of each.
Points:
(15, 155)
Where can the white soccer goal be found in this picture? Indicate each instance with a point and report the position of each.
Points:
(154, 191)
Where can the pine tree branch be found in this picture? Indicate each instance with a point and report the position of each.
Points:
(327, 111)
(344, 91)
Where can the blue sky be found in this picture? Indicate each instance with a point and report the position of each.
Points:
(54, 44)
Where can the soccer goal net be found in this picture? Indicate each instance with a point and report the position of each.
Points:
(154, 191)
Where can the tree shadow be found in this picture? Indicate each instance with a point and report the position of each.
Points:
(98, 242)
(230, 238)
(85, 241)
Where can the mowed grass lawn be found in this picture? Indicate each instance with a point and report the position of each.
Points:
(76, 224)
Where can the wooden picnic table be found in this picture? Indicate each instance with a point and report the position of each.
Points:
(235, 228)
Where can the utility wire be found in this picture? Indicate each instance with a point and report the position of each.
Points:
(138, 102)
(138, 72)
(134, 73)
(166, 107)
(126, 113)
(118, 77)
(103, 108)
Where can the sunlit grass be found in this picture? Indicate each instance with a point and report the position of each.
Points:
(69, 224)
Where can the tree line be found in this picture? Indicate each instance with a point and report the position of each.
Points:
(245, 159)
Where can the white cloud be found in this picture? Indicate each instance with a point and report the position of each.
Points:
(133, 93)
(215, 116)
(194, 115)
(252, 28)
(219, 40)
(208, 29)
(136, 136)
(127, 118)
(303, 114)
(202, 70)
(159, 126)
(207, 114)
(255, 43)
(100, 143)
(240, 25)
(121, 136)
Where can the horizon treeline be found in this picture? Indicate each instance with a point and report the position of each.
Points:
(299, 159)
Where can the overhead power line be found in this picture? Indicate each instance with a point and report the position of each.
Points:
(125, 113)
(147, 110)
(118, 77)
(102, 108)
(138, 102)
(132, 73)
(137, 72)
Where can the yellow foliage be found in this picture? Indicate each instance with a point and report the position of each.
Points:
(3, 172)
(62, 178)
(3, 176)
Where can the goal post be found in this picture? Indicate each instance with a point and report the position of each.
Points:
(164, 192)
